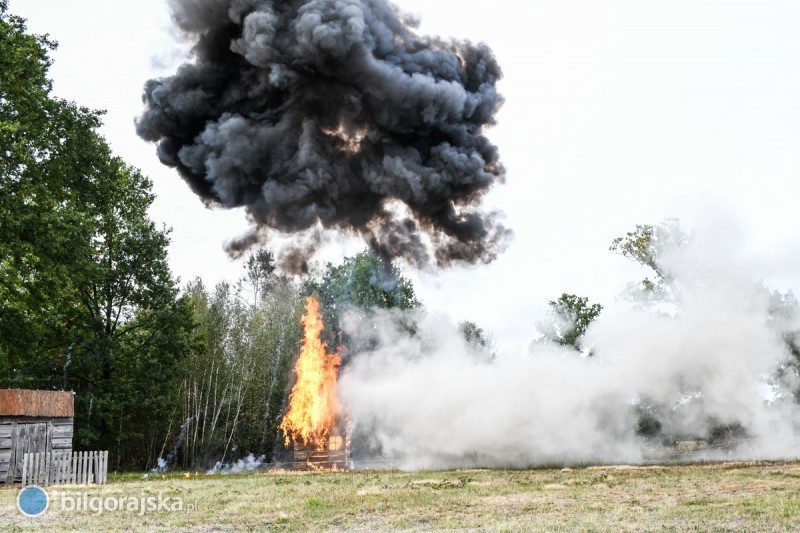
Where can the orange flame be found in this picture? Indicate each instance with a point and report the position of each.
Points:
(313, 404)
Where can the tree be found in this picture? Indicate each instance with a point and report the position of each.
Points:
(360, 284)
(651, 247)
(234, 390)
(87, 299)
(648, 245)
(568, 319)
(479, 341)
(44, 149)
(133, 329)
(122, 329)
(260, 267)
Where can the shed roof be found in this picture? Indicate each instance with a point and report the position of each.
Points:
(42, 403)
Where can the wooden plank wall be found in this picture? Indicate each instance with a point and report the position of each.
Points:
(6, 428)
(61, 435)
(20, 435)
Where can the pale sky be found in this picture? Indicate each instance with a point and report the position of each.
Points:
(617, 112)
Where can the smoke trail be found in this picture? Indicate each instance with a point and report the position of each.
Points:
(333, 112)
(719, 364)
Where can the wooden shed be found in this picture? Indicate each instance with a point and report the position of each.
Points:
(32, 421)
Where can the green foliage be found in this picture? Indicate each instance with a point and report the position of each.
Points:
(648, 245)
(360, 284)
(478, 340)
(46, 146)
(568, 319)
(260, 267)
(234, 390)
(120, 328)
(87, 299)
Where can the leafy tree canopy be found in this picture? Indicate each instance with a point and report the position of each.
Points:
(87, 301)
(361, 283)
(648, 245)
(480, 341)
(568, 319)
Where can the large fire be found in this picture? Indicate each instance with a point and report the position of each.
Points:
(313, 404)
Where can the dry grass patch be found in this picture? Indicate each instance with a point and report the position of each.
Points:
(734, 497)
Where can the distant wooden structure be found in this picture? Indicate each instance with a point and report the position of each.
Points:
(33, 421)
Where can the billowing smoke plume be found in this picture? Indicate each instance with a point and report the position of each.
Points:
(333, 112)
(718, 369)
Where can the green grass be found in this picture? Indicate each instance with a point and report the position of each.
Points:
(719, 497)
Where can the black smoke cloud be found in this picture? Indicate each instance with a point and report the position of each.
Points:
(330, 112)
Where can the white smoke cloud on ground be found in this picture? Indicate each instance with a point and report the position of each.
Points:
(427, 400)
(242, 466)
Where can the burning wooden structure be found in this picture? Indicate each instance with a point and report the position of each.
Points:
(334, 454)
(313, 425)
(32, 421)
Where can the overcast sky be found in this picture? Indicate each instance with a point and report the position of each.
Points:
(617, 112)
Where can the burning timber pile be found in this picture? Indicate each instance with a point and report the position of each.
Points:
(314, 426)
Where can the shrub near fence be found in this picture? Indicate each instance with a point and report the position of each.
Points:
(58, 468)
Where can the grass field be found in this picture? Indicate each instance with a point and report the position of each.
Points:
(733, 496)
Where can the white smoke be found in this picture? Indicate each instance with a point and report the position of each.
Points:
(244, 465)
(161, 467)
(425, 399)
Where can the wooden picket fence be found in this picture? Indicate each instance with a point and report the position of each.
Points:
(60, 468)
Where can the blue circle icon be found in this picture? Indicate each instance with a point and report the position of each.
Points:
(32, 501)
